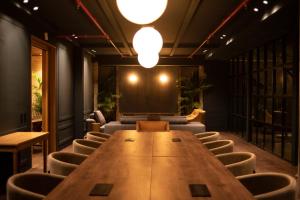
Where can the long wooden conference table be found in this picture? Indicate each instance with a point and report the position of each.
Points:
(152, 166)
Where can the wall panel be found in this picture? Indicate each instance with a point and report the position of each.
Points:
(14, 76)
(88, 97)
(65, 125)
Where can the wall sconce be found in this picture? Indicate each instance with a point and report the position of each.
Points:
(132, 79)
(163, 79)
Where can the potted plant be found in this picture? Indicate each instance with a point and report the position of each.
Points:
(192, 89)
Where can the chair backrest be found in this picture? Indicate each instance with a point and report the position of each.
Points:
(220, 146)
(270, 186)
(63, 163)
(99, 117)
(207, 136)
(152, 126)
(239, 163)
(85, 146)
(100, 134)
(95, 137)
(31, 186)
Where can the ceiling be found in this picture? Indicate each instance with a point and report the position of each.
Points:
(184, 26)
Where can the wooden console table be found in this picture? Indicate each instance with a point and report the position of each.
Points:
(17, 141)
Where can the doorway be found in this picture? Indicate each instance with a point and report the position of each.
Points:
(43, 89)
(38, 57)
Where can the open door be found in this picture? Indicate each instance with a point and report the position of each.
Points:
(43, 86)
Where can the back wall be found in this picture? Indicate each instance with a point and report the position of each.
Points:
(147, 94)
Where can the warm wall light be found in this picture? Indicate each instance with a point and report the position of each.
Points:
(163, 79)
(142, 11)
(132, 78)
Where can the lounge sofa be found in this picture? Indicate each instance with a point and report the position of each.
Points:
(128, 122)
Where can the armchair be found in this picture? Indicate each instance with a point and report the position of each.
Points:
(95, 121)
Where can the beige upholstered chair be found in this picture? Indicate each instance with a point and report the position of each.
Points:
(152, 126)
(96, 136)
(85, 146)
(220, 146)
(239, 163)
(207, 136)
(63, 163)
(270, 186)
(31, 186)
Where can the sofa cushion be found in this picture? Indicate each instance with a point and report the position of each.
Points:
(174, 119)
(99, 117)
(132, 119)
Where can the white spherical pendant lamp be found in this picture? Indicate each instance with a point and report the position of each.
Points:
(148, 60)
(147, 39)
(142, 11)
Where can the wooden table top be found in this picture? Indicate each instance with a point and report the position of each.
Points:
(151, 167)
(18, 138)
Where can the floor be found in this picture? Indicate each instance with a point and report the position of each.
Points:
(266, 162)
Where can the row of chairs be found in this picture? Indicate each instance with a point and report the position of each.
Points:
(272, 186)
(36, 186)
(263, 186)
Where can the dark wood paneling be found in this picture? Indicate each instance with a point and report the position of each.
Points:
(148, 95)
(14, 76)
(216, 98)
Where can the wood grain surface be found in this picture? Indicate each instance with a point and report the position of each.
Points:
(17, 138)
(151, 166)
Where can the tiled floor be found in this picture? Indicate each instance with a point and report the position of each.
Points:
(266, 162)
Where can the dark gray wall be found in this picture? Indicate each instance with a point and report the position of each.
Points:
(216, 98)
(65, 73)
(15, 71)
(14, 76)
(88, 97)
(83, 89)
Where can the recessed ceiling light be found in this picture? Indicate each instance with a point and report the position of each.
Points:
(25, 1)
(229, 41)
(275, 9)
(75, 37)
(265, 2)
(255, 9)
(17, 5)
(221, 38)
(204, 51)
(35, 8)
(224, 35)
(210, 54)
(93, 50)
(265, 16)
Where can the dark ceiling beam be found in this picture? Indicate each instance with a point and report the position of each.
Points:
(193, 6)
(166, 45)
(111, 18)
(109, 60)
